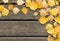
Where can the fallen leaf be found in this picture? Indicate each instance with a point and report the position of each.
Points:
(57, 19)
(33, 6)
(5, 12)
(57, 29)
(55, 24)
(10, 7)
(27, 3)
(35, 13)
(43, 20)
(50, 38)
(20, 2)
(39, 3)
(49, 26)
(15, 10)
(43, 12)
(51, 3)
(24, 10)
(56, 2)
(54, 11)
(1, 8)
(51, 18)
(45, 5)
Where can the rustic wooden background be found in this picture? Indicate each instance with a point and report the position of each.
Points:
(21, 27)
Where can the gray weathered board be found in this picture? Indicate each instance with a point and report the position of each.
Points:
(21, 27)
(23, 39)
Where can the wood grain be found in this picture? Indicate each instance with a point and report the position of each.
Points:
(22, 28)
(23, 39)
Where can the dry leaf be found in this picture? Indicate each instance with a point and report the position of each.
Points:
(39, 3)
(49, 26)
(45, 5)
(57, 29)
(51, 3)
(35, 13)
(56, 2)
(55, 24)
(24, 10)
(1, 8)
(20, 2)
(54, 34)
(50, 38)
(54, 11)
(33, 6)
(48, 9)
(10, 7)
(5, 12)
(51, 18)
(43, 20)
(15, 10)
(50, 31)
(27, 3)
(59, 13)
(57, 19)
(43, 12)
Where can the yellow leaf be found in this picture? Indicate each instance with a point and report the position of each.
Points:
(10, 7)
(20, 2)
(5, 12)
(57, 39)
(56, 2)
(43, 20)
(57, 19)
(43, 12)
(50, 38)
(51, 3)
(45, 5)
(55, 24)
(48, 9)
(33, 6)
(35, 13)
(54, 34)
(58, 36)
(59, 12)
(54, 11)
(50, 31)
(49, 26)
(27, 3)
(50, 17)
(1, 7)
(39, 3)
(57, 29)
(24, 10)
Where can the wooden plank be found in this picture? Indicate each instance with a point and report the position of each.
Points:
(20, 15)
(23, 39)
(22, 28)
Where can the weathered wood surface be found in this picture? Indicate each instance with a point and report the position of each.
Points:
(22, 28)
(18, 30)
(20, 15)
(23, 39)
